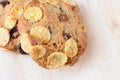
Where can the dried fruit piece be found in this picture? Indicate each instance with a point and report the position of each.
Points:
(69, 2)
(25, 42)
(4, 37)
(53, 2)
(14, 33)
(4, 2)
(33, 14)
(41, 33)
(37, 51)
(16, 12)
(56, 60)
(66, 35)
(10, 22)
(63, 17)
(71, 48)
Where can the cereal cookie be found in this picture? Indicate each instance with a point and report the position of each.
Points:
(50, 31)
(54, 32)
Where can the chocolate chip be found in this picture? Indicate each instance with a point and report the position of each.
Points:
(14, 33)
(20, 49)
(66, 35)
(63, 17)
(4, 2)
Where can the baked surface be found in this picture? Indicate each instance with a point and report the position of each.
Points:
(5, 11)
(50, 31)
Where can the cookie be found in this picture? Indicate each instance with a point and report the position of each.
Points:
(10, 11)
(52, 33)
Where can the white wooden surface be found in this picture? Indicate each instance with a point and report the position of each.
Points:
(101, 60)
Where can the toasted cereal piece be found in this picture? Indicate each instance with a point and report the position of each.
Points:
(16, 11)
(10, 22)
(56, 60)
(33, 14)
(37, 51)
(53, 2)
(69, 2)
(25, 42)
(41, 33)
(4, 37)
(71, 48)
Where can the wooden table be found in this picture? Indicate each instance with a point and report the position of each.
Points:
(101, 60)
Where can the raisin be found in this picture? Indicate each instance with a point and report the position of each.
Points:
(20, 49)
(66, 35)
(4, 2)
(63, 17)
(14, 33)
